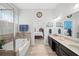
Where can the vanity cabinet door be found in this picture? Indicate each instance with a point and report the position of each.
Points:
(66, 52)
(50, 41)
(53, 45)
(57, 49)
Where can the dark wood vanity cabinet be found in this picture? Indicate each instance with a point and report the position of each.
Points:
(59, 48)
(51, 43)
(66, 52)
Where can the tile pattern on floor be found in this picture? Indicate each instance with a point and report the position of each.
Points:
(39, 41)
(40, 50)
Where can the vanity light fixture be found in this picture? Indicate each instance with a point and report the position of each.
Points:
(69, 16)
(58, 18)
(76, 6)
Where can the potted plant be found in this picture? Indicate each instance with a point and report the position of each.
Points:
(1, 43)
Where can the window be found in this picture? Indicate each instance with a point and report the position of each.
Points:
(6, 15)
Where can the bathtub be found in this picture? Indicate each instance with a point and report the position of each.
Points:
(21, 47)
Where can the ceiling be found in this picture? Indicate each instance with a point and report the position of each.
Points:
(58, 9)
(36, 5)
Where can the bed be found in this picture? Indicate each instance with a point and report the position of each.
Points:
(38, 35)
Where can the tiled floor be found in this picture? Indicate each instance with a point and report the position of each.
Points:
(40, 50)
(39, 41)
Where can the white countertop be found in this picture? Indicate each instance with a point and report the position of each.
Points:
(67, 42)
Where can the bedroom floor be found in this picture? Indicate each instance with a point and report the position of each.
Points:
(40, 50)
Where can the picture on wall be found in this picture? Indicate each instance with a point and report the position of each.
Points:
(23, 28)
(67, 24)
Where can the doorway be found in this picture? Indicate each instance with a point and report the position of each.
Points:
(39, 36)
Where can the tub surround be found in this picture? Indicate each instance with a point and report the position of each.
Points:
(21, 47)
(68, 42)
(22, 43)
(23, 35)
(9, 37)
(7, 52)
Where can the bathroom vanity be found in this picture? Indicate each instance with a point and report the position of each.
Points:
(63, 46)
